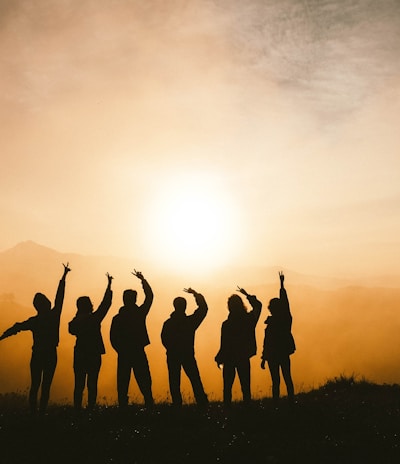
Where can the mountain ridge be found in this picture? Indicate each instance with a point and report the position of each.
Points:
(28, 251)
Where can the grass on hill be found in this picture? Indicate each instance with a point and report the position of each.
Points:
(344, 421)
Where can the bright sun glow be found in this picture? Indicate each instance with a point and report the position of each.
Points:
(192, 222)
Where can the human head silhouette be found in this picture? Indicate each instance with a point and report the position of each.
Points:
(41, 303)
(84, 305)
(180, 305)
(236, 305)
(129, 297)
(274, 305)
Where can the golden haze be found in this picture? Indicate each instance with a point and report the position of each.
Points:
(338, 328)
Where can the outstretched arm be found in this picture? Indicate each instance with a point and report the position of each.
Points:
(202, 308)
(9, 332)
(148, 292)
(106, 302)
(17, 327)
(61, 290)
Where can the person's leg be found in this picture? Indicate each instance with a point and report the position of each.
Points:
(143, 378)
(36, 379)
(49, 368)
(287, 376)
(92, 379)
(228, 373)
(174, 377)
(124, 367)
(192, 371)
(273, 365)
(80, 379)
(243, 369)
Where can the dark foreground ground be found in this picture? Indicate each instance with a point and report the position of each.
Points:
(345, 421)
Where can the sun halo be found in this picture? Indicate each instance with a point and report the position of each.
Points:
(192, 224)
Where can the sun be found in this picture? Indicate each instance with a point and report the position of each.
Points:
(192, 223)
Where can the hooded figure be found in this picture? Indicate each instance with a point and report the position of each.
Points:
(45, 328)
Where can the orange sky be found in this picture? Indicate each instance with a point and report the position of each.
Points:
(282, 116)
(197, 136)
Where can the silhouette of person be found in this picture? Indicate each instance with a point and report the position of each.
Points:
(129, 337)
(45, 331)
(89, 346)
(177, 336)
(279, 343)
(238, 344)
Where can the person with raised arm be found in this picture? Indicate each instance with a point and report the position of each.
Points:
(89, 346)
(238, 344)
(279, 342)
(177, 335)
(129, 338)
(45, 328)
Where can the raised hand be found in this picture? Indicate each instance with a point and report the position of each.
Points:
(137, 274)
(66, 268)
(110, 278)
(242, 290)
(281, 277)
(190, 290)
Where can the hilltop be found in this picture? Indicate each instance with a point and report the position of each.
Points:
(344, 421)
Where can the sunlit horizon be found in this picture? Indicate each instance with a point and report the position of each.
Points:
(207, 144)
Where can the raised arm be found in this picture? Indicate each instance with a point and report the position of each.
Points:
(105, 305)
(202, 307)
(283, 295)
(148, 292)
(255, 304)
(58, 304)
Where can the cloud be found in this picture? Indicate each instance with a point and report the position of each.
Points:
(294, 103)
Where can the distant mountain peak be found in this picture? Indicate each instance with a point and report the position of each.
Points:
(29, 247)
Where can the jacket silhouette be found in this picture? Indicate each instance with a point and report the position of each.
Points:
(129, 338)
(177, 335)
(45, 327)
(89, 346)
(238, 344)
(279, 342)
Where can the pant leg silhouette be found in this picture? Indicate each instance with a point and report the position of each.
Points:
(124, 366)
(274, 366)
(80, 372)
(141, 371)
(191, 369)
(228, 375)
(92, 380)
(243, 368)
(42, 366)
(174, 377)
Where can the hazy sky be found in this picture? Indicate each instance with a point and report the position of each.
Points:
(258, 132)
